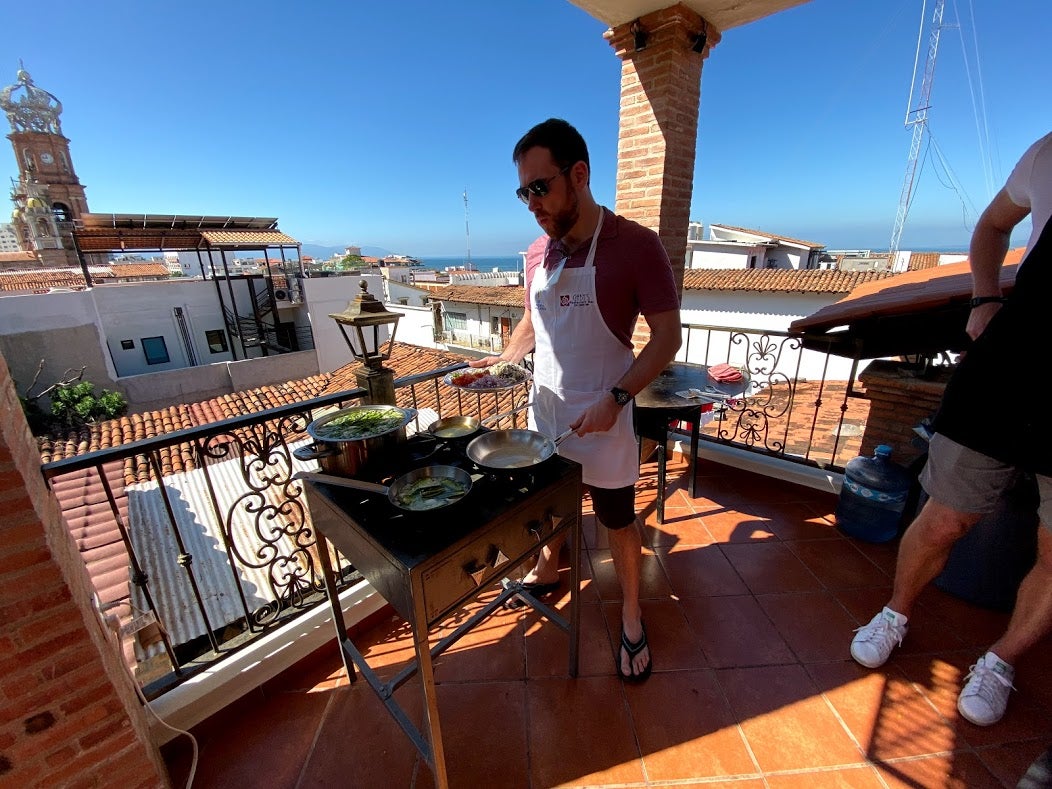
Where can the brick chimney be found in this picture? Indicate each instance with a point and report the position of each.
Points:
(71, 716)
(657, 137)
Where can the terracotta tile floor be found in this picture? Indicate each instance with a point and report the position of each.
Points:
(750, 597)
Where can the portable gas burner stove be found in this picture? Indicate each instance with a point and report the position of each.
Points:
(430, 565)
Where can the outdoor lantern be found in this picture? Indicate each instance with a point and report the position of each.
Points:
(366, 315)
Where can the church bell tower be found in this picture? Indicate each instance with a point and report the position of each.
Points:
(48, 196)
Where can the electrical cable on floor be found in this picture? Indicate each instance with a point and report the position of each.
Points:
(112, 623)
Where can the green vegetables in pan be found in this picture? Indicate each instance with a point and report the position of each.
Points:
(360, 424)
(431, 492)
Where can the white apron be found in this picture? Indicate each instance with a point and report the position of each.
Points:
(577, 360)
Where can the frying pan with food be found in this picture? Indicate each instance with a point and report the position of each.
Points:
(421, 490)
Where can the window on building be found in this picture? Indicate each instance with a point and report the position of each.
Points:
(216, 339)
(155, 349)
(457, 321)
(127, 345)
(61, 212)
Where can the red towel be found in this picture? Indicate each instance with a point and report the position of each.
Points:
(724, 373)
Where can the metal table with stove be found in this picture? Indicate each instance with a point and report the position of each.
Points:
(429, 565)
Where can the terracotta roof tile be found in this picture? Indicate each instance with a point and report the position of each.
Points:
(779, 280)
(19, 257)
(497, 296)
(922, 260)
(42, 279)
(406, 360)
(134, 270)
(247, 237)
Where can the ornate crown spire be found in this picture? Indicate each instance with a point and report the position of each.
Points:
(30, 108)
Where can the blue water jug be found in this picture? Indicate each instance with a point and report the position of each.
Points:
(873, 497)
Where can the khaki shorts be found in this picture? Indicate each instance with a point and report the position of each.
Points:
(969, 481)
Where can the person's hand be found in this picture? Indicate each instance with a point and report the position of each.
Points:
(599, 417)
(979, 317)
(485, 361)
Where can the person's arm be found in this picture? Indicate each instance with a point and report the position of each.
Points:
(665, 339)
(519, 344)
(986, 254)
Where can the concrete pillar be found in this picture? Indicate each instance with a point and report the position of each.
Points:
(658, 130)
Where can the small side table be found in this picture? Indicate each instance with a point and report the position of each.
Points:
(655, 423)
(659, 404)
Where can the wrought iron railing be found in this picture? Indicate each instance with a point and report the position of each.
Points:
(800, 404)
(188, 606)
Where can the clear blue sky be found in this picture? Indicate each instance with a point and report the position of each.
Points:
(363, 122)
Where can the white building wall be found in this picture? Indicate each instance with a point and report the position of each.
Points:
(413, 297)
(129, 313)
(327, 295)
(721, 256)
(416, 326)
(9, 238)
(480, 317)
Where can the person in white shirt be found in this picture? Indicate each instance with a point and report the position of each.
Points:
(970, 460)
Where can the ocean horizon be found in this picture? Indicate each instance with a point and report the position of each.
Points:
(488, 263)
(484, 263)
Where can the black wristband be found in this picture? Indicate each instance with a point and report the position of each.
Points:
(977, 300)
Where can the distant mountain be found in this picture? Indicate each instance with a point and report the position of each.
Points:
(321, 252)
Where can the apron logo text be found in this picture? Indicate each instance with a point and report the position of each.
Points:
(575, 300)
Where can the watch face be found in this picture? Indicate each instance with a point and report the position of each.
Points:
(46, 158)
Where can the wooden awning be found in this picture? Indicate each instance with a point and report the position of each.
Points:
(918, 312)
(176, 232)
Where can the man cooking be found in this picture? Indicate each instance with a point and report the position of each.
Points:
(587, 281)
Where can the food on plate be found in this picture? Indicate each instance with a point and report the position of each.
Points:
(431, 492)
(499, 376)
(359, 424)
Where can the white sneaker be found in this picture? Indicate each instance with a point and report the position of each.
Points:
(985, 696)
(873, 643)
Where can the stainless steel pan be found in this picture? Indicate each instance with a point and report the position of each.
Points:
(412, 492)
(511, 450)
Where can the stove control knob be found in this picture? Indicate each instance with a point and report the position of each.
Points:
(477, 570)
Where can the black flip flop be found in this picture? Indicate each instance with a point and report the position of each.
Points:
(535, 589)
(634, 649)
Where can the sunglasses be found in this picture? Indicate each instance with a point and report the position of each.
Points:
(540, 187)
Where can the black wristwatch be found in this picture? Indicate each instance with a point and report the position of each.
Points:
(977, 300)
(621, 397)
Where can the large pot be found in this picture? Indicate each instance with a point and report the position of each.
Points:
(346, 457)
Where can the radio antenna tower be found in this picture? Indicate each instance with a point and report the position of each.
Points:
(467, 230)
(917, 117)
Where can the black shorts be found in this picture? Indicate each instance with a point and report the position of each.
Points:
(614, 507)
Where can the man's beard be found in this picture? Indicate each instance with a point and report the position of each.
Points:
(564, 221)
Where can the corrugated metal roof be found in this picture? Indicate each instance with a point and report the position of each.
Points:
(202, 535)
